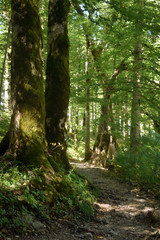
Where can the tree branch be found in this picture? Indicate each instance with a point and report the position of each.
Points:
(77, 7)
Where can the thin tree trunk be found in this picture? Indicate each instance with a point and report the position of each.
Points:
(87, 107)
(76, 117)
(76, 129)
(135, 115)
(137, 73)
(126, 125)
(101, 145)
(77, 107)
(4, 62)
(70, 119)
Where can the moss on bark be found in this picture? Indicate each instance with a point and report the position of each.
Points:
(58, 80)
(26, 141)
(27, 130)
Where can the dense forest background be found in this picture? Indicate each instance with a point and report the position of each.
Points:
(102, 87)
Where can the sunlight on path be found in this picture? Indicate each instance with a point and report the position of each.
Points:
(122, 210)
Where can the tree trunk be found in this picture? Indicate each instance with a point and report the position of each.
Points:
(77, 107)
(58, 80)
(104, 137)
(137, 73)
(76, 129)
(87, 107)
(4, 62)
(27, 129)
(70, 119)
(100, 148)
(76, 122)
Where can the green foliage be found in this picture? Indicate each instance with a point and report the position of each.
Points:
(82, 198)
(76, 154)
(144, 165)
(17, 198)
(4, 124)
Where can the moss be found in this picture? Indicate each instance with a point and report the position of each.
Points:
(57, 90)
(53, 163)
(60, 14)
(52, 184)
(58, 153)
(28, 119)
(58, 81)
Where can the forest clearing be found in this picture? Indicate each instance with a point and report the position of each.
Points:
(80, 80)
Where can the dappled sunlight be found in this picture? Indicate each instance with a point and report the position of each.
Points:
(104, 207)
(131, 209)
(122, 209)
(75, 155)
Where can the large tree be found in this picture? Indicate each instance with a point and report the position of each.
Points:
(58, 79)
(26, 137)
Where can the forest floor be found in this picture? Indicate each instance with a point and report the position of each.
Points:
(123, 212)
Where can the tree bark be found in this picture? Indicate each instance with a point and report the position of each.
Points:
(4, 62)
(27, 129)
(137, 74)
(76, 129)
(76, 120)
(101, 145)
(87, 106)
(58, 80)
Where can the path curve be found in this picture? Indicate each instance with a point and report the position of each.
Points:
(122, 213)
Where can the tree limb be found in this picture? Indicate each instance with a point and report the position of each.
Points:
(77, 7)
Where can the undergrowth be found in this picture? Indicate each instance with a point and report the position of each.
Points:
(18, 200)
(144, 166)
(83, 195)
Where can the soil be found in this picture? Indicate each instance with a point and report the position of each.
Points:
(123, 212)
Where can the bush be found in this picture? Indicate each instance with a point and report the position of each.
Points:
(144, 166)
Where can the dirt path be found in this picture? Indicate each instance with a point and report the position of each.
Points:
(122, 213)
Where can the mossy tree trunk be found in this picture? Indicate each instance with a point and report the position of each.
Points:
(58, 80)
(27, 129)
